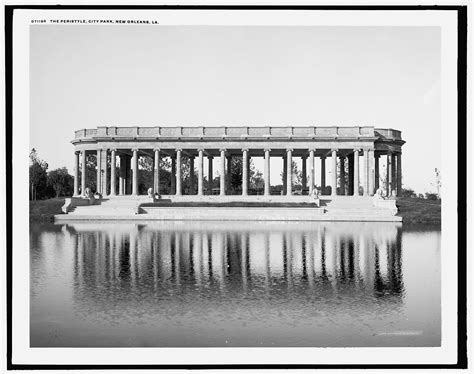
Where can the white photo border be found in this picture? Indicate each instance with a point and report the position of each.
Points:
(21, 352)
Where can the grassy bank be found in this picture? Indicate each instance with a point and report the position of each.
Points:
(419, 211)
(43, 211)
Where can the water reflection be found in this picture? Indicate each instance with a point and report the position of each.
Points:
(156, 257)
(240, 284)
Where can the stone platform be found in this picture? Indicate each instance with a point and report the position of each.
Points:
(232, 208)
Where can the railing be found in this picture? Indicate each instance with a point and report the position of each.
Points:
(240, 132)
(389, 133)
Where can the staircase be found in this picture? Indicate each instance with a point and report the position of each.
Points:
(334, 208)
(353, 208)
(111, 207)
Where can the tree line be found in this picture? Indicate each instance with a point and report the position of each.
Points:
(46, 184)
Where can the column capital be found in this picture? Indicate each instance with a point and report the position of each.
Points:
(267, 150)
(156, 149)
(77, 152)
(244, 149)
(210, 157)
(312, 150)
(304, 157)
(323, 157)
(134, 149)
(222, 150)
(289, 149)
(201, 150)
(356, 149)
(334, 149)
(178, 150)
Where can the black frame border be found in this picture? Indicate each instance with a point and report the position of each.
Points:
(462, 183)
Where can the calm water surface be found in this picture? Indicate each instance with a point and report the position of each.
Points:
(179, 284)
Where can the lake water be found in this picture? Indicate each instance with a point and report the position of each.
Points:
(211, 284)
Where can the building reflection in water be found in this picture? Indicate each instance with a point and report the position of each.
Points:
(237, 260)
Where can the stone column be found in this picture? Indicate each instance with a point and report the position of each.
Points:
(122, 175)
(178, 172)
(98, 186)
(389, 173)
(376, 172)
(342, 175)
(356, 172)
(83, 172)
(222, 173)
(210, 175)
(135, 172)
(304, 182)
(76, 173)
(245, 171)
(399, 174)
(156, 171)
(113, 191)
(311, 171)
(289, 172)
(285, 166)
(173, 175)
(267, 173)
(191, 175)
(105, 177)
(334, 172)
(323, 175)
(394, 174)
(364, 172)
(200, 171)
(370, 170)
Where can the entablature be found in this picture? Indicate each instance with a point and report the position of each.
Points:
(263, 135)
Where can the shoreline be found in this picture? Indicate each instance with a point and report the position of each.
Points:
(416, 213)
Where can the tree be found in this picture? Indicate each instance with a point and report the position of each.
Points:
(383, 179)
(146, 174)
(431, 196)
(346, 175)
(61, 182)
(297, 175)
(38, 176)
(408, 192)
(235, 182)
(438, 182)
(256, 181)
(91, 172)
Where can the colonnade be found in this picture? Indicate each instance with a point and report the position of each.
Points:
(353, 184)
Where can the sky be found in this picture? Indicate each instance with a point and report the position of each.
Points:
(89, 76)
